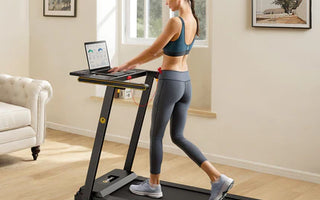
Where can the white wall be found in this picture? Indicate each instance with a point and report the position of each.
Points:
(14, 37)
(265, 86)
(267, 96)
(56, 48)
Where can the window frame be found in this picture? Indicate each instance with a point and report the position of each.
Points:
(166, 15)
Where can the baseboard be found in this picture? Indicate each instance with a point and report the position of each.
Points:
(246, 164)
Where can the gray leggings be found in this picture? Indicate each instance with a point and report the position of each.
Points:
(172, 101)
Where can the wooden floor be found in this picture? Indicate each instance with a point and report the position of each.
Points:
(62, 166)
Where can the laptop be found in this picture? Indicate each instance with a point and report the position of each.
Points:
(98, 59)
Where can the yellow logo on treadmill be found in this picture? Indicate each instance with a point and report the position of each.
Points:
(102, 120)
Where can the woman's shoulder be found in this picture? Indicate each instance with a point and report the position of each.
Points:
(175, 21)
(174, 24)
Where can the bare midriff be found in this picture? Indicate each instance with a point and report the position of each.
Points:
(178, 63)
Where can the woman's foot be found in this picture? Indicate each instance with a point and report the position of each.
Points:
(145, 189)
(220, 187)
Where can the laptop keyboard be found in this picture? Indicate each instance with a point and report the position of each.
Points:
(105, 72)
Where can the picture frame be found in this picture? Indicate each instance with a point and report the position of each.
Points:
(59, 8)
(278, 14)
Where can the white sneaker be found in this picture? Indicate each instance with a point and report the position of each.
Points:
(145, 189)
(220, 187)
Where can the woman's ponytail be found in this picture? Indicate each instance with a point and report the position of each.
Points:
(195, 16)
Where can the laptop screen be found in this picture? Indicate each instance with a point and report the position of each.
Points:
(97, 55)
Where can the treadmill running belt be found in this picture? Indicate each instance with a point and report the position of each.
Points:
(170, 192)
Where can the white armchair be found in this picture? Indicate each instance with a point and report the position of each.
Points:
(22, 113)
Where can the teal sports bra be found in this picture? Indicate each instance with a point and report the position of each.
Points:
(179, 46)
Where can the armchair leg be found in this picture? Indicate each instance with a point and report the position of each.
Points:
(35, 151)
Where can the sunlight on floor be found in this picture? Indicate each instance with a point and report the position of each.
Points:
(70, 153)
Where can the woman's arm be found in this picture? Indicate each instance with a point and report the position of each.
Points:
(155, 56)
(155, 50)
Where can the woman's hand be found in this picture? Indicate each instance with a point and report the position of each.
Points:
(124, 67)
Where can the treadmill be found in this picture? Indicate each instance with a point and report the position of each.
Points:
(114, 185)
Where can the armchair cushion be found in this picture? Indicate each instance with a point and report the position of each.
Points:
(23, 136)
(12, 116)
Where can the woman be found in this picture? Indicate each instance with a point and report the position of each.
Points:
(173, 98)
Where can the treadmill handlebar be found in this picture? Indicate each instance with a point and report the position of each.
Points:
(115, 83)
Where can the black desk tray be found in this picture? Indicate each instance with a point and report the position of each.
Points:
(120, 81)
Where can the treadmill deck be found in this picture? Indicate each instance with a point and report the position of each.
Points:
(171, 191)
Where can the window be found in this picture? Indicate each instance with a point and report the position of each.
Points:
(145, 19)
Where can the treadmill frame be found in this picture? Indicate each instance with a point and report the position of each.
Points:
(101, 188)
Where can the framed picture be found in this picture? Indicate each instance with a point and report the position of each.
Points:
(281, 13)
(59, 8)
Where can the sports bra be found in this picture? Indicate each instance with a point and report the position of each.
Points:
(179, 46)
